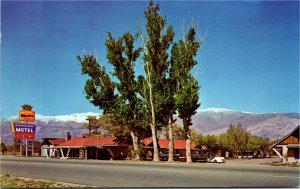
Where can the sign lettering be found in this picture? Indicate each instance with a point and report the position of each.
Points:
(23, 131)
(25, 115)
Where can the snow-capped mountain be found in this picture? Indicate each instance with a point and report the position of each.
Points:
(77, 117)
(222, 110)
(215, 110)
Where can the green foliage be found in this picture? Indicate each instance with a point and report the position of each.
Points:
(122, 106)
(149, 154)
(99, 88)
(257, 143)
(166, 95)
(238, 138)
(180, 133)
(185, 85)
(113, 124)
(128, 101)
(224, 140)
(156, 63)
(133, 154)
(115, 97)
(182, 58)
(186, 99)
(123, 66)
(212, 142)
(122, 56)
(155, 91)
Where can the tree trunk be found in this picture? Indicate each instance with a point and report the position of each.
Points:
(188, 148)
(152, 125)
(171, 141)
(155, 146)
(135, 146)
(188, 141)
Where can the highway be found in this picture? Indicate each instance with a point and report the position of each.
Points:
(148, 174)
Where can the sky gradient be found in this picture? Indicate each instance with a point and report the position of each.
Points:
(249, 60)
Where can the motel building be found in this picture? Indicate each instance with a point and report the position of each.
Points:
(86, 147)
(287, 148)
(48, 146)
(106, 147)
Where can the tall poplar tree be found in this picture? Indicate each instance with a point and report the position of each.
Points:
(122, 55)
(156, 45)
(118, 98)
(186, 86)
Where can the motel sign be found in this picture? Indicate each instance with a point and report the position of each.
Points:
(23, 131)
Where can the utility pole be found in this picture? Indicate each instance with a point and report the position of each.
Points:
(91, 120)
(32, 148)
(26, 145)
(21, 147)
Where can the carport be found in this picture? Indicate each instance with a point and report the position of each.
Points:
(287, 148)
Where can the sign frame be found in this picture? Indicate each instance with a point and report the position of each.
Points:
(26, 115)
(23, 130)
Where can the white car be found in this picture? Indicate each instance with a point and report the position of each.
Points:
(216, 159)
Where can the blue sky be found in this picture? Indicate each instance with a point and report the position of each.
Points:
(248, 62)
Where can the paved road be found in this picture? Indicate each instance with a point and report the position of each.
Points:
(148, 174)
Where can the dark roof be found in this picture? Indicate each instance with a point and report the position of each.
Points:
(53, 141)
(285, 137)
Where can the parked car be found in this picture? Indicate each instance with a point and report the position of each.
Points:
(165, 156)
(196, 157)
(216, 159)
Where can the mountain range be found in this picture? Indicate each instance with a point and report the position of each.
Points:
(207, 121)
(270, 125)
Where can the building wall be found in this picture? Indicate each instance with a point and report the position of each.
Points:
(293, 155)
(45, 149)
(289, 154)
(290, 140)
(293, 139)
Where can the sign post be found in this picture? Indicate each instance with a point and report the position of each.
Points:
(26, 144)
(25, 130)
(32, 148)
(21, 148)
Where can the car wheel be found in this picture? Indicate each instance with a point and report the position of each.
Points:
(215, 161)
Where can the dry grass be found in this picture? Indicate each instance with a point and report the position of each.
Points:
(8, 181)
(287, 164)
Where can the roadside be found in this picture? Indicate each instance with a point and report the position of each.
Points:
(250, 162)
(259, 161)
(121, 173)
(8, 181)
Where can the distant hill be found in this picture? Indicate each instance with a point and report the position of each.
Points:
(206, 121)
